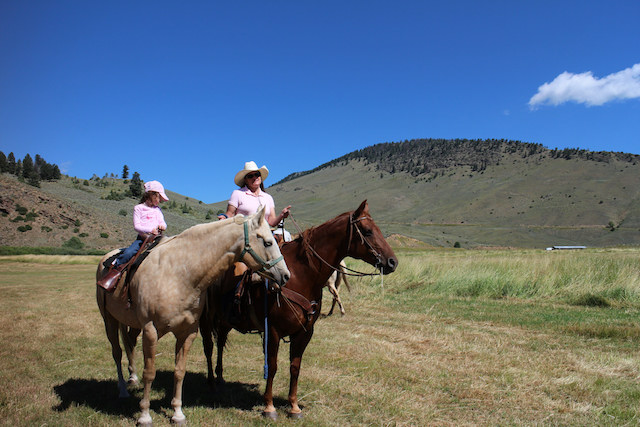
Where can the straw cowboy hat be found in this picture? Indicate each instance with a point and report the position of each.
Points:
(157, 187)
(248, 168)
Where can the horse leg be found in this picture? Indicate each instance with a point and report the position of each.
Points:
(149, 343)
(183, 344)
(339, 301)
(272, 364)
(223, 333)
(207, 345)
(111, 327)
(336, 298)
(298, 344)
(130, 337)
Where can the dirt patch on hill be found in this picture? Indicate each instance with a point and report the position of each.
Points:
(31, 217)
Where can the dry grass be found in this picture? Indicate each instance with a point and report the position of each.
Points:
(431, 359)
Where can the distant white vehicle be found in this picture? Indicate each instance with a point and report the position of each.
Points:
(553, 248)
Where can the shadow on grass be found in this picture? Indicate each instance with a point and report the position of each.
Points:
(102, 395)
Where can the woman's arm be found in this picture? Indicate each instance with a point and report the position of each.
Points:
(231, 211)
(274, 220)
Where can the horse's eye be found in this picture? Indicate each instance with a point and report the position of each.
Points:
(367, 233)
(267, 244)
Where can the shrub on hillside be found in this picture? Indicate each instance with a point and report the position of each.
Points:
(73, 243)
(115, 195)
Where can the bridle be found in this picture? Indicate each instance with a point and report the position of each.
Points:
(352, 225)
(266, 265)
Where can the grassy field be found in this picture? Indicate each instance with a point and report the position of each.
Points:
(454, 337)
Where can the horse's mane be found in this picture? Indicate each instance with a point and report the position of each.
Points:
(200, 229)
(304, 239)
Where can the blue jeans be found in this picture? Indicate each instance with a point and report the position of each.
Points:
(129, 252)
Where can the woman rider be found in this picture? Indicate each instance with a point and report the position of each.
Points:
(251, 196)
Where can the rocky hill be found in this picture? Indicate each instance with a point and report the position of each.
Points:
(84, 209)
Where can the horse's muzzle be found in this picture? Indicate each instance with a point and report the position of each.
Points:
(389, 266)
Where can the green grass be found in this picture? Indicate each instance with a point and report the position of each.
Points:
(27, 250)
(412, 350)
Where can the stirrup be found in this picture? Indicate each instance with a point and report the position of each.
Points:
(110, 280)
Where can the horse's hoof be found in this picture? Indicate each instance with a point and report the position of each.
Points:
(295, 415)
(272, 415)
(144, 423)
(179, 422)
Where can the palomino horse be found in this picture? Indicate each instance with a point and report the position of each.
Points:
(311, 258)
(167, 293)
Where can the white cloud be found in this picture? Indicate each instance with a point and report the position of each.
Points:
(584, 88)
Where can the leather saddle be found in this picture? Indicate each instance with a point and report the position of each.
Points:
(112, 276)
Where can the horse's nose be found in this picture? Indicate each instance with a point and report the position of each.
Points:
(392, 263)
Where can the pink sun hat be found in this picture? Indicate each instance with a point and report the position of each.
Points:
(157, 187)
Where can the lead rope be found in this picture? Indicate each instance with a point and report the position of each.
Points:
(266, 331)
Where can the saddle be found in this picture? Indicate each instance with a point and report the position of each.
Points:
(240, 304)
(112, 276)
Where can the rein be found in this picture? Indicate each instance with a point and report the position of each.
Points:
(352, 224)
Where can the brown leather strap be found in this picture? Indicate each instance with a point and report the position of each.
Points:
(295, 297)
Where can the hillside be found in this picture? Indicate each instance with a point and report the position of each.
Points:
(70, 207)
(477, 193)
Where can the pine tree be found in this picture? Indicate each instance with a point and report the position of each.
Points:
(125, 172)
(27, 167)
(135, 186)
(11, 163)
(4, 166)
(33, 179)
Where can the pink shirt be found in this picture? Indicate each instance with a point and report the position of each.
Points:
(247, 203)
(146, 219)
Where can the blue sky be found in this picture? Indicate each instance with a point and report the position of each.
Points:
(186, 92)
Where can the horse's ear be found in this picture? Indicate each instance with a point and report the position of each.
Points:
(260, 216)
(362, 208)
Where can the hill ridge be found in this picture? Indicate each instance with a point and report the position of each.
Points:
(429, 156)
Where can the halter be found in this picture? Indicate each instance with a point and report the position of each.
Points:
(266, 265)
(353, 224)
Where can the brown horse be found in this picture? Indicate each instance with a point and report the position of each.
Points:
(311, 259)
(167, 293)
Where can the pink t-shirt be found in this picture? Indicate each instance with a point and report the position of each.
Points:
(146, 219)
(247, 203)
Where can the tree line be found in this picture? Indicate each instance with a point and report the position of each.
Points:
(427, 156)
(30, 170)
